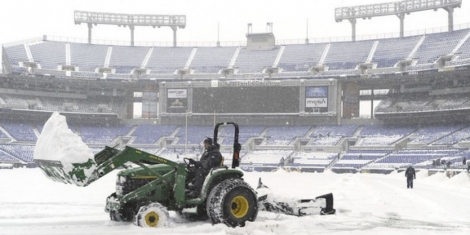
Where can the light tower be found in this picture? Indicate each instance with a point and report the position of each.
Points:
(400, 9)
(131, 20)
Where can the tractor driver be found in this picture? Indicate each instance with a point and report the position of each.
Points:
(209, 159)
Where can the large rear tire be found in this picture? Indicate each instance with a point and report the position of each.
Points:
(153, 215)
(232, 202)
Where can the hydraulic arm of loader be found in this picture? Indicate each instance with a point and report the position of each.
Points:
(105, 161)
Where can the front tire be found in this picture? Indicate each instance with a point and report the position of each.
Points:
(153, 215)
(232, 202)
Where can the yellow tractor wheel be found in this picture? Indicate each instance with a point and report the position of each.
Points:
(232, 202)
(153, 215)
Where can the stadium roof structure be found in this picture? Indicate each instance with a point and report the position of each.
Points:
(131, 20)
(399, 9)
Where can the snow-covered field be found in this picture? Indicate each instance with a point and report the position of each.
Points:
(366, 204)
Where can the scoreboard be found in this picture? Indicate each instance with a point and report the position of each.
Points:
(250, 97)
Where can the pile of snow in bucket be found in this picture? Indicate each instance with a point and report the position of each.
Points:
(58, 143)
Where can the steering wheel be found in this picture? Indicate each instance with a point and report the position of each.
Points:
(189, 166)
(186, 161)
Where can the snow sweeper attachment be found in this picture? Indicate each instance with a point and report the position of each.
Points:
(269, 201)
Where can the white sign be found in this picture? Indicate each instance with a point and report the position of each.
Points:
(177, 93)
(316, 102)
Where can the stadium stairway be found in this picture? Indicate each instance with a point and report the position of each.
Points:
(442, 137)
(418, 45)
(372, 52)
(358, 131)
(12, 156)
(379, 159)
(36, 131)
(7, 134)
(309, 132)
(332, 163)
(129, 134)
(404, 137)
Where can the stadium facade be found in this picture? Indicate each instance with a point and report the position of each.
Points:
(300, 100)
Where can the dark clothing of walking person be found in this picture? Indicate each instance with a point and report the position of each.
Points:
(410, 175)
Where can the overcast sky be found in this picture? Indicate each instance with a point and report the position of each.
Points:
(33, 18)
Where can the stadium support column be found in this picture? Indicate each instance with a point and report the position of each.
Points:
(450, 11)
(174, 35)
(401, 16)
(132, 34)
(372, 104)
(90, 26)
(353, 25)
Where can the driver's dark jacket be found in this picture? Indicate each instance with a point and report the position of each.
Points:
(210, 158)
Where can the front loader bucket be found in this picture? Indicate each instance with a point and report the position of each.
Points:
(80, 174)
(62, 155)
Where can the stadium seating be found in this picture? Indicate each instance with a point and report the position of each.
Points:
(255, 61)
(428, 134)
(436, 45)
(283, 135)
(407, 157)
(15, 101)
(48, 54)
(124, 58)
(341, 59)
(22, 152)
(390, 51)
(422, 102)
(455, 137)
(150, 134)
(3, 135)
(359, 158)
(16, 54)
(226, 133)
(318, 159)
(347, 55)
(212, 59)
(301, 57)
(330, 135)
(5, 157)
(266, 157)
(196, 134)
(88, 57)
(464, 50)
(102, 134)
(166, 60)
(373, 135)
(20, 131)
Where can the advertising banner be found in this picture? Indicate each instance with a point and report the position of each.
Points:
(316, 102)
(177, 93)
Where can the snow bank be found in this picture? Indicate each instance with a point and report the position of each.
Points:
(462, 179)
(58, 143)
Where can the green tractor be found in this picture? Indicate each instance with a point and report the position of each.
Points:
(146, 193)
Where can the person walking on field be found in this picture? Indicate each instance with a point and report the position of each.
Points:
(410, 175)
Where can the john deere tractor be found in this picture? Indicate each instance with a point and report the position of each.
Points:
(145, 194)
